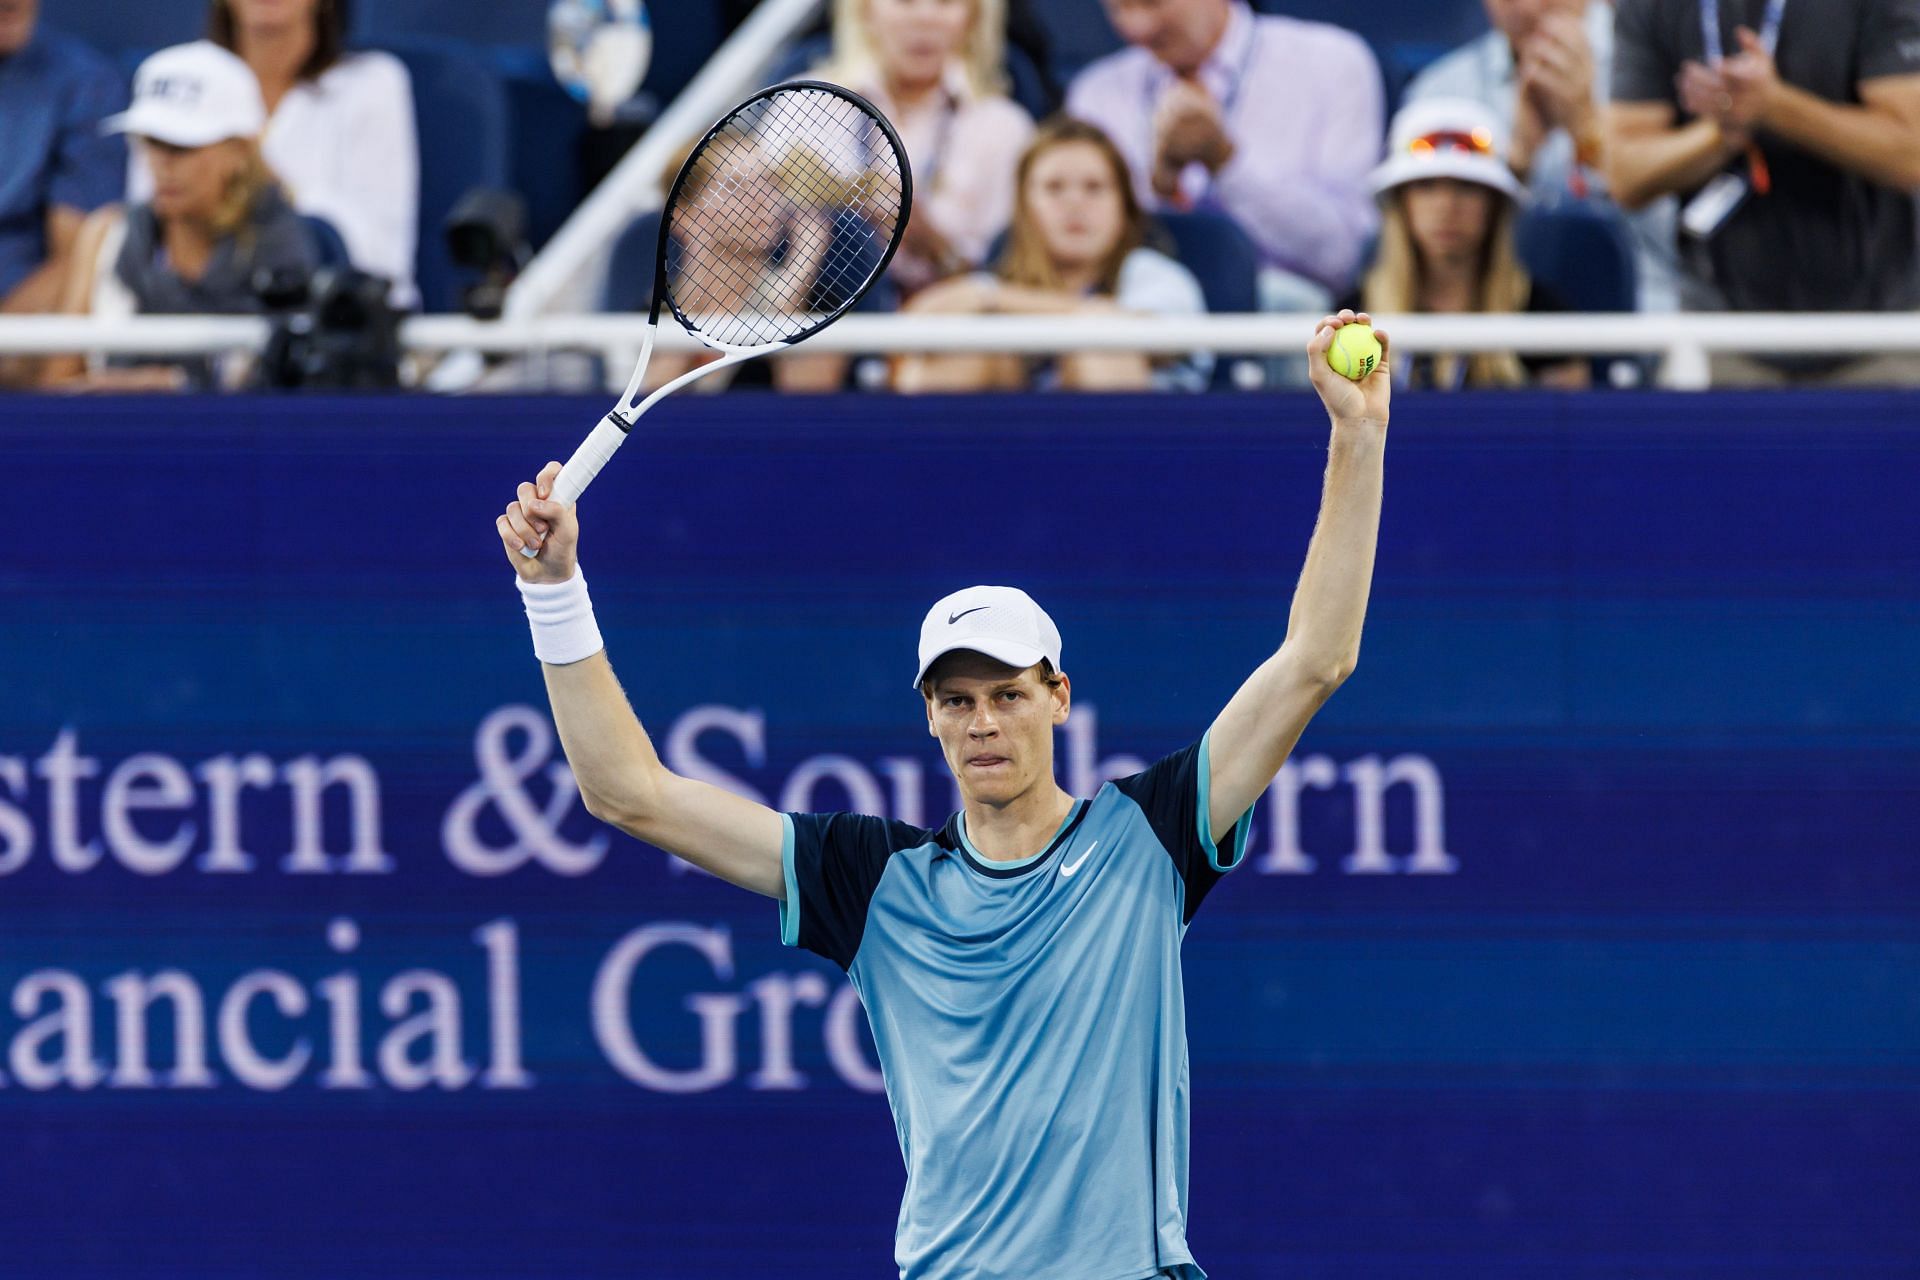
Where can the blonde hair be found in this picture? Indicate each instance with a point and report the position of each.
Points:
(1392, 287)
(244, 190)
(854, 61)
(1027, 260)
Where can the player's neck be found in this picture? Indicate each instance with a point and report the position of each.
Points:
(1020, 828)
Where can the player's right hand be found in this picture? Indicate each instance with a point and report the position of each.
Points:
(535, 522)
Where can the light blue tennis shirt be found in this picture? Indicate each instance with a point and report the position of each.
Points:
(1030, 1022)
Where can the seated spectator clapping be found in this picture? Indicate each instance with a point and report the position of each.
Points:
(340, 128)
(1078, 247)
(1449, 203)
(216, 224)
(1273, 121)
(55, 164)
(934, 67)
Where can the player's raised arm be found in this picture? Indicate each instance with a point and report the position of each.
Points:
(619, 774)
(1252, 737)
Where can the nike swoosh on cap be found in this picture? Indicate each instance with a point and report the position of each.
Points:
(955, 617)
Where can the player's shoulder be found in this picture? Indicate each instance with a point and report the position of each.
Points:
(863, 833)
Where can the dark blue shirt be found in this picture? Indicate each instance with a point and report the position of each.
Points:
(53, 95)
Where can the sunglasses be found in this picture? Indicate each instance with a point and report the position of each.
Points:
(1478, 142)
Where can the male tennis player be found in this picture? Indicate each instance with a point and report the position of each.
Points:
(1020, 965)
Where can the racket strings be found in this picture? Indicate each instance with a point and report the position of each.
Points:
(783, 219)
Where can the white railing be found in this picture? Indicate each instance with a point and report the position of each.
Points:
(566, 273)
(1683, 341)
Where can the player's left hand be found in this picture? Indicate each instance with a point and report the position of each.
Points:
(1365, 401)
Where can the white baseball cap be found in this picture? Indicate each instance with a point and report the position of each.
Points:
(1002, 622)
(1447, 138)
(192, 95)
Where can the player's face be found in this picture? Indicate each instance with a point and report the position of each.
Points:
(1076, 202)
(915, 39)
(1180, 33)
(191, 182)
(16, 24)
(995, 725)
(1448, 219)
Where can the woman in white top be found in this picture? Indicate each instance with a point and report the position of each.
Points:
(935, 67)
(1078, 247)
(340, 129)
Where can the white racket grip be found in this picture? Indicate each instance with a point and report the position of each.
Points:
(585, 464)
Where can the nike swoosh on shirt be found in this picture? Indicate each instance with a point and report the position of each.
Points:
(1068, 868)
(955, 617)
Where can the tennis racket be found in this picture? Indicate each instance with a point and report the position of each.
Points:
(782, 218)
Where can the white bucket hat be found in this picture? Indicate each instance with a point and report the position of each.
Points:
(1002, 622)
(1447, 138)
(192, 95)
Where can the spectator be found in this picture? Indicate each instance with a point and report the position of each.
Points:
(783, 245)
(1448, 202)
(216, 221)
(1271, 120)
(1544, 71)
(55, 165)
(1078, 247)
(934, 67)
(340, 127)
(1797, 148)
(1026, 32)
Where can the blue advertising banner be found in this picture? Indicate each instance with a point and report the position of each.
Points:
(1580, 937)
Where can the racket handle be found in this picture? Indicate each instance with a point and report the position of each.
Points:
(585, 464)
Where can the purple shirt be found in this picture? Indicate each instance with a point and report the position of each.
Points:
(1304, 106)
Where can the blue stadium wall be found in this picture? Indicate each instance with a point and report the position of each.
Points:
(1581, 938)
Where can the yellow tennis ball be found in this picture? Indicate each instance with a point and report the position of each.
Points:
(1355, 352)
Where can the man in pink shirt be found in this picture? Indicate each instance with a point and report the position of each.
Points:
(1273, 121)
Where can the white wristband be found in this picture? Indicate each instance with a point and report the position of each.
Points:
(561, 616)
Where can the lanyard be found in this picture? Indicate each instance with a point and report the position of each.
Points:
(929, 169)
(1759, 174)
(1232, 95)
(1710, 28)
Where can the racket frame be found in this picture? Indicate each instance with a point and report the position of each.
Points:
(613, 429)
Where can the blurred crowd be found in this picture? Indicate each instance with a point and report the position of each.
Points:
(1581, 155)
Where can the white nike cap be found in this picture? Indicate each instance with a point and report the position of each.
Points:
(192, 95)
(1002, 622)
